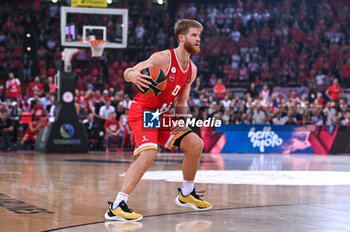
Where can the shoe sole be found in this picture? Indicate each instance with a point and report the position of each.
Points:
(117, 218)
(177, 201)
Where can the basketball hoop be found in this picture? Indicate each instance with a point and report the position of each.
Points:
(97, 46)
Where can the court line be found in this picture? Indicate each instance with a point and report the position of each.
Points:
(189, 212)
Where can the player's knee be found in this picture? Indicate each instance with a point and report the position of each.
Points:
(197, 145)
(149, 155)
(200, 145)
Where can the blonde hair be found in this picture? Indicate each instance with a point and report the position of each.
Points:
(183, 25)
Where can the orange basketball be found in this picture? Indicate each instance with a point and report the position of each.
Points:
(158, 81)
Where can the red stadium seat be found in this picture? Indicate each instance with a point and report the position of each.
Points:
(2, 49)
(94, 72)
(132, 64)
(111, 72)
(85, 79)
(120, 72)
(41, 63)
(17, 63)
(112, 81)
(2, 57)
(116, 64)
(77, 71)
(51, 72)
(17, 51)
(94, 80)
(124, 65)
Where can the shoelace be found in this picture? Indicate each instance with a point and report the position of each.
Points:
(195, 195)
(125, 208)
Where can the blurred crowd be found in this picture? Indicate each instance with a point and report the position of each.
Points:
(254, 44)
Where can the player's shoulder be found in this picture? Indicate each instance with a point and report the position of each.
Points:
(160, 56)
(160, 59)
(194, 67)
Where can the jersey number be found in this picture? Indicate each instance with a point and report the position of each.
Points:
(176, 90)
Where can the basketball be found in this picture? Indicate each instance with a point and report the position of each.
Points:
(158, 81)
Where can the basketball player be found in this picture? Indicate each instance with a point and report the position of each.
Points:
(180, 73)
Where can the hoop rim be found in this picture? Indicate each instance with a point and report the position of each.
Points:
(95, 43)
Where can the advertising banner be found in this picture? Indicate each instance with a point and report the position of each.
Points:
(287, 139)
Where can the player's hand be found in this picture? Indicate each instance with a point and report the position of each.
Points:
(139, 79)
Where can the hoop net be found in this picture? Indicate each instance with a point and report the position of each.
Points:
(97, 46)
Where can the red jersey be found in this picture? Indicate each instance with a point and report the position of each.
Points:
(334, 91)
(219, 88)
(177, 79)
(34, 88)
(13, 87)
(38, 110)
(112, 125)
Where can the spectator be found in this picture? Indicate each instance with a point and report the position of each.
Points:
(13, 88)
(38, 110)
(258, 114)
(106, 110)
(219, 90)
(265, 93)
(35, 87)
(279, 120)
(46, 100)
(26, 106)
(125, 130)
(253, 93)
(226, 102)
(49, 86)
(33, 129)
(4, 108)
(113, 129)
(330, 112)
(346, 121)
(6, 127)
(120, 110)
(199, 87)
(312, 92)
(15, 114)
(320, 80)
(334, 92)
(93, 129)
(317, 118)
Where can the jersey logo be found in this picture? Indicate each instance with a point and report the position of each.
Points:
(172, 77)
(173, 70)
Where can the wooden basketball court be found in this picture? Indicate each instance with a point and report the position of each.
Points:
(69, 192)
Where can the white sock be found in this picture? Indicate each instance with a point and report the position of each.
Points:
(120, 197)
(187, 187)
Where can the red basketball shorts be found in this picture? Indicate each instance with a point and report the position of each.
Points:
(148, 138)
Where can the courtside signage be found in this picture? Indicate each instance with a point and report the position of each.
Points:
(89, 3)
(264, 138)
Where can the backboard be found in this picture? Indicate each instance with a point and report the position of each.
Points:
(80, 24)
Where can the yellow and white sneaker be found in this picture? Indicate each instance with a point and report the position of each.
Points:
(121, 213)
(192, 200)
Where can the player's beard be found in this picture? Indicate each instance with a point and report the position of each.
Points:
(190, 48)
